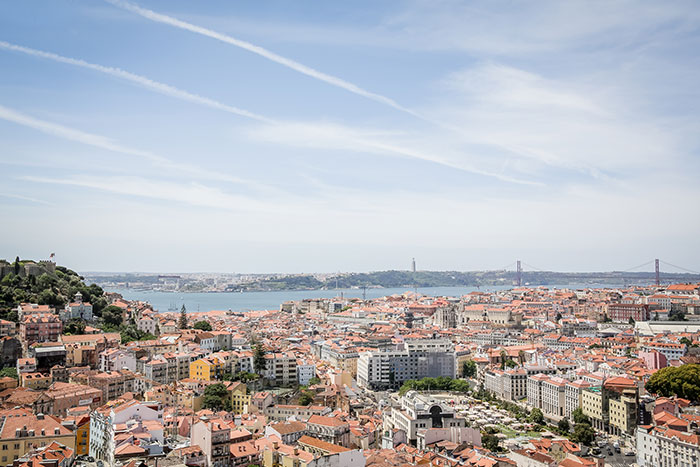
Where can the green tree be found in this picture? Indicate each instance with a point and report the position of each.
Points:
(182, 322)
(306, 397)
(631, 321)
(490, 442)
(579, 416)
(656, 316)
(682, 381)
(459, 385)
(9, 371)
(676, 315)
(469, 369)
(16, 266)
(259, 363)
(536, 416)
(314, 381)
(213, 403)
(75, 326)
(216, 397)
(218, 389)
(131, 333)
(510, 363)
(112, 316)
(563, 425)
(202, 325)
(558, 317)
(686, 341)
(583, 433)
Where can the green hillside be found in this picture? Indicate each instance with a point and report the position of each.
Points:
(34, 282)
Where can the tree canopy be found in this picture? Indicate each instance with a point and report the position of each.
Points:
(216, 397)
(583, 433)
(182, 321)
(469, 369)
(490, 442)
(563, 425)
(441, 383)
(579, 416)
(536, 416)
(306, 397)
(258, 358)
(682, 381)
(112, 316)
(202, 325)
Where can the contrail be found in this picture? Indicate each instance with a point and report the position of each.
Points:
(137, 79)
(168, 90)
(101, 142)
(256, 49)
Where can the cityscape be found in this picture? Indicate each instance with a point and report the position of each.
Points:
(417, 233)
(519, 376)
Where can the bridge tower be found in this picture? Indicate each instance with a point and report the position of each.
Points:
(656, 266)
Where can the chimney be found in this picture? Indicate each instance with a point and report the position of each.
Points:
(40, 416)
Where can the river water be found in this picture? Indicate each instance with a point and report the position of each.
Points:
(246, 301)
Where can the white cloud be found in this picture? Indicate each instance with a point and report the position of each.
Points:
(261, 51)
(25, 198)
(188, 193)
(323, 135)
(102, 142)
(137, 79)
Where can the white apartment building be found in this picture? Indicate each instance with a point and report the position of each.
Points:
(553, 396)
(117, 359)
(671, 350)
(508, 384)
(417, 359)
(659, 446)
(305, 371)
(103, 424)
(572, 395)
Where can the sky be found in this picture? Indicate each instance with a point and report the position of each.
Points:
(277, 136)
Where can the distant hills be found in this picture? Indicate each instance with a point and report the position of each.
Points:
(377, 279)
(394, 279)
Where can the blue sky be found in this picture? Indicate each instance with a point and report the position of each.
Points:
(326, 136)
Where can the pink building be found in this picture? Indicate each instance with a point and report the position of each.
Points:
(653, 360)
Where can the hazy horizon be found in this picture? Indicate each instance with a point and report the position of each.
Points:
(158, 135)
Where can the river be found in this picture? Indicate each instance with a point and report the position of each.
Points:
(246, 301)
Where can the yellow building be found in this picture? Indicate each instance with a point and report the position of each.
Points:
(592, 406)
(35, 380)
(623, 414)
(206, 369)
(82, 437)
(240, 399)
(23, 431)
